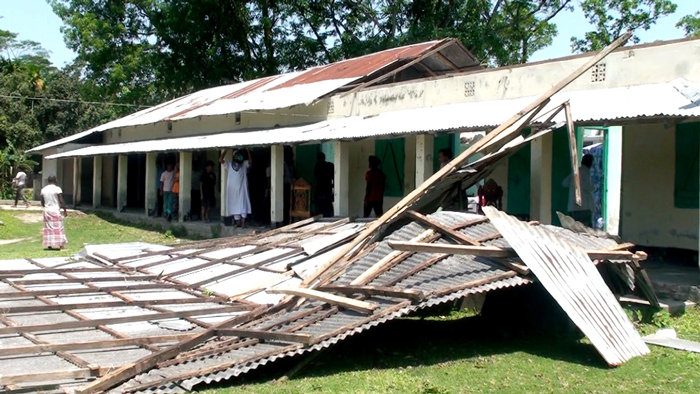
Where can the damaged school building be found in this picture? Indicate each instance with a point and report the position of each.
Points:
(140, 318)
(403, 105)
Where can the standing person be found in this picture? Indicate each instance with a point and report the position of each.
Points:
(583, 213)
(207, 187)
(52, 202)
(161, 169)
(166, 190)
(237, 196)
(444, 156)
(374, 192)
(19, 182)
(323, 176)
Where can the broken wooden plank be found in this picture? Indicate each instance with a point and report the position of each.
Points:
(442, 229)
(387, 261)
(266, 335)
(573, 152)
(78, 373)
(103, 344)
(415, 295)
(495, 252)
(127, 278)
(373, 229)
(86, 290)
(360, 306)
(107, 304)
(117, 320)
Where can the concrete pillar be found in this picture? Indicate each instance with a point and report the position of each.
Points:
(122, 168)
(541, 179)
(613, 179)
(224, 188)
(424, 157)
(151, 182)
(97, 182)
(76, 181)
(341, 160)
(277, 184)
(185, 203)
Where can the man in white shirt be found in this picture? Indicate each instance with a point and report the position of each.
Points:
(167, 178)
(583, 213)
(19, 183)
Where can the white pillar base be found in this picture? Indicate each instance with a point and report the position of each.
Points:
(151, 183)
(341, 192)
(185, 199)
(97, 182)
(541, 179)
(277, 184)
(424, 157)
(122, 168)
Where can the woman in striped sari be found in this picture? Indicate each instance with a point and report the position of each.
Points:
(52, 201)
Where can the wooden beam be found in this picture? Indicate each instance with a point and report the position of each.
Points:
(68, 374)
(107, 289)
(360, 306)
(373, 229)
(249, 267)
(442, 229)
(447, 61)
(394, 292)
(104, 344)
(491, 251)
(129, 371)
(116, 320)
(484, 251)
(125, 278)
(107, 304)
(426, 69)
(438, 48)
(387, 261)
(573, 152)
(266, 335)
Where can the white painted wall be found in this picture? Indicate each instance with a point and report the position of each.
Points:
(222, 123)
(627, 67)
(648, 173)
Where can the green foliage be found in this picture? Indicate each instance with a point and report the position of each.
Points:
(612, 18)
(691, 25)
(11, 161)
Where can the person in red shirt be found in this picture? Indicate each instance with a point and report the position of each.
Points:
(374, 193)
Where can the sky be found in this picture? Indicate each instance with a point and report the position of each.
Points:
(35, 20)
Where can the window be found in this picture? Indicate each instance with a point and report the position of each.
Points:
(392, 154)
(686, 186)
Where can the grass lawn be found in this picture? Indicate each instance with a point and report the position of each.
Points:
(450, 352)
(80, 229)
(471, 355)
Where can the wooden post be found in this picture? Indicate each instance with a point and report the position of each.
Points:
(573, 151)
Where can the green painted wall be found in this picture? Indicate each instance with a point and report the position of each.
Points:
(305, 160)
(519, 182)
(392, 154)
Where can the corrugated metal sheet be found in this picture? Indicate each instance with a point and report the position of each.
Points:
(573, 280)
(279, 91)
(667, 99)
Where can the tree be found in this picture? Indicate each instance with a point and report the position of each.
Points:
(691, 25)
(612, 18)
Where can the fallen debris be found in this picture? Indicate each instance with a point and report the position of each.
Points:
(667, 338)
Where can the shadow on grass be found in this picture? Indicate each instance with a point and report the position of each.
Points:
(173, 229)
(506, 326)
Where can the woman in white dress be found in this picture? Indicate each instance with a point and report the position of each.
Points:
(237, 196)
